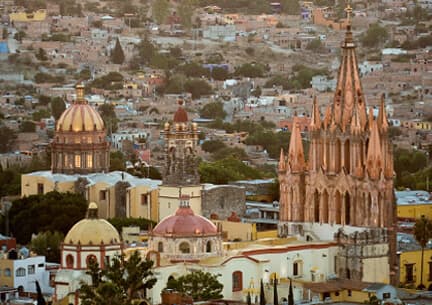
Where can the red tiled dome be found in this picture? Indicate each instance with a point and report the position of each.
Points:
(185, 223)
(180, 116)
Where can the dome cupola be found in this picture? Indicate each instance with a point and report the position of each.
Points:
(79, 145)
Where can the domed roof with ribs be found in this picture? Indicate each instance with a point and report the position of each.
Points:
(185, 223)
(80, 116)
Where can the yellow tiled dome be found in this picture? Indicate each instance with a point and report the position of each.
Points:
(80, 116)
(92, 230)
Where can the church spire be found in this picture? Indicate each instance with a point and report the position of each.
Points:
(315, 123)
(282, 161)
(382, 117)
(296, 161)
(349, 92)
(374, 155)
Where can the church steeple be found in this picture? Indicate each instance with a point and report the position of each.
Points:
(374, 155)
(382, 117)
(282, 161)
(349, 92)
(296, 161)
(315, 123)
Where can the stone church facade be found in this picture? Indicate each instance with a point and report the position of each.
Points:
(345, 188)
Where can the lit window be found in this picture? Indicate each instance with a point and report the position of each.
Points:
(77, 161)
(90, 161)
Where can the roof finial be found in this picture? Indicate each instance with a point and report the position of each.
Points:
(348, 11)
(80, 94)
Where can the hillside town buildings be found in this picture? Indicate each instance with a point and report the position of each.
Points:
(332, 229)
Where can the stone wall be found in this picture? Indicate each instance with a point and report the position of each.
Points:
(223, 200)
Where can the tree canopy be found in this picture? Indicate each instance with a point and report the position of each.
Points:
(201, 286)
(226, 170)
(374, 36)
(54, 210)
(213, 110)
(48, 244)
(109, 117)
(422, 233)
(7, 138)
(117, 54)
(120, 283)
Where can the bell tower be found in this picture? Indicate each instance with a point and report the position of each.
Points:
(181, 140)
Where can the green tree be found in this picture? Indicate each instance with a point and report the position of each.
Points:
(109, 117)
(58, 106)
(422, 233)
(185, 11)
(374, 36)
(41, 55)
(48, 244)
(212, 145)
(146, 49)
(197, 87)
(27, 126)
(201, 286)
(250, 70)
(219, 73)
(226, 170)
(19, 36)
(120, 283)
(213, 110)
(55, 212)
(7, 139)
(315, 45)
(290, 7)
(160, 10)
(193, 69)
(5, 33)
(257, 92)
(117, 161)
(40, 114)
(117, 54)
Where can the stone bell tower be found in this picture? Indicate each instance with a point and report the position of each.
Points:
(181, 140)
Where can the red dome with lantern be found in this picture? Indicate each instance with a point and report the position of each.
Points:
(185, 223)
(181, 115)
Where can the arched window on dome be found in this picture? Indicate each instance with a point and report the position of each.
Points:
(209, 247)
(91, 259)
(69, 261)
(184, 247)
(160, 247)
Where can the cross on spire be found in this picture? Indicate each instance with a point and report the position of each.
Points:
(348, 11)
